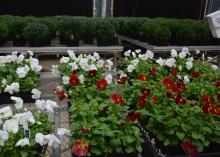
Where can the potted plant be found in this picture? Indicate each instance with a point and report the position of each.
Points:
(28, 132)
(180, 95)
(3, 33)
(105, 33)
(16, 31)
(36, 34)
(18, 75)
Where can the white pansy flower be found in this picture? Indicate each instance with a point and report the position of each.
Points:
(127, 53)
(14, 87)
(36, 93)
(71, 54)
(81, 78)
(24, 118)
(182, 54)
(52, 140)
(55, 71)
(186, 79)
(161, 61)
(39, 138)
(149, 54)
(20, 58)
(197, 51)
(30, 53)
(63, 132)
(215, 67)
(130, 68)
(92, 67)
(22, 71)
(135, 61)
(96, 56)
(65, 79)
(6, 112)
(40, 104)
(171, 62)
(11, 126)
(190, 59)
(23, 142)
(64, 60)
(85, 67)
(50, 105)
(108, 78)
(189, 65)
(3, 137)
(134, 54)
(100, 63)
(74, 66)
(138, 51)
(34, 64)
(174, 53)
(18, 102)
(109, 64)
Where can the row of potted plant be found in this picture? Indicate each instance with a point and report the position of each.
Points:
(174, 99)
(158, 31)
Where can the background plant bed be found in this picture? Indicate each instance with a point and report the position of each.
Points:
(5, 98)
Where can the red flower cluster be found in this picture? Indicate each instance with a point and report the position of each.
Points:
(213, 109)
(92, 73)
(206, 99)
(195, 74)
(74, 80)
(154, 99)
(132, 116)
(170, 85)
(153, 71)
(177, 97)
(101, 84)
(80, 148)
(142, 77)
(167, 81)
(121, 80)
(117, 99)
(145, 92)
(62, 95)
(190, 149)
(217, 84)
(142, 101)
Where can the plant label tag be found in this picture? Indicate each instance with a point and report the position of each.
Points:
(27, 133)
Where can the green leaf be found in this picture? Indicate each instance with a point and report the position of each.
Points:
(139, 148)
(196, 135)
(180, 135)
(167, 142)
(129, 139)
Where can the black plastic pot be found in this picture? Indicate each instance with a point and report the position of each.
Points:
(72, 42)
(19, 41)
(6, 97)
(153, 145)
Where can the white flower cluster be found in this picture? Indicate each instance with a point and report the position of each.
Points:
(135, 61)
(12, 123)
(25, 66)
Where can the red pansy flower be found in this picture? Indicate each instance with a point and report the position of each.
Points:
(102, 84)
(174, 72)
(74, 80)
(168, 94)
(142, 77)
(132, 116)
(210, 100)
(190, 149)
(84, 131)
(182, 101)
(217, 84)
(80, 148)
(204, 98)
(92, 73)
(167, 81)
(121, 80)
(117, 99)
(142, 102)
(195, 74)
(154, 99)
(181, 86)
(153, 71)
(145, 92)
(62, 95)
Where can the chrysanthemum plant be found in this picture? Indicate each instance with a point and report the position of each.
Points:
(27, 132)
(19, 72)
(178, 97)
